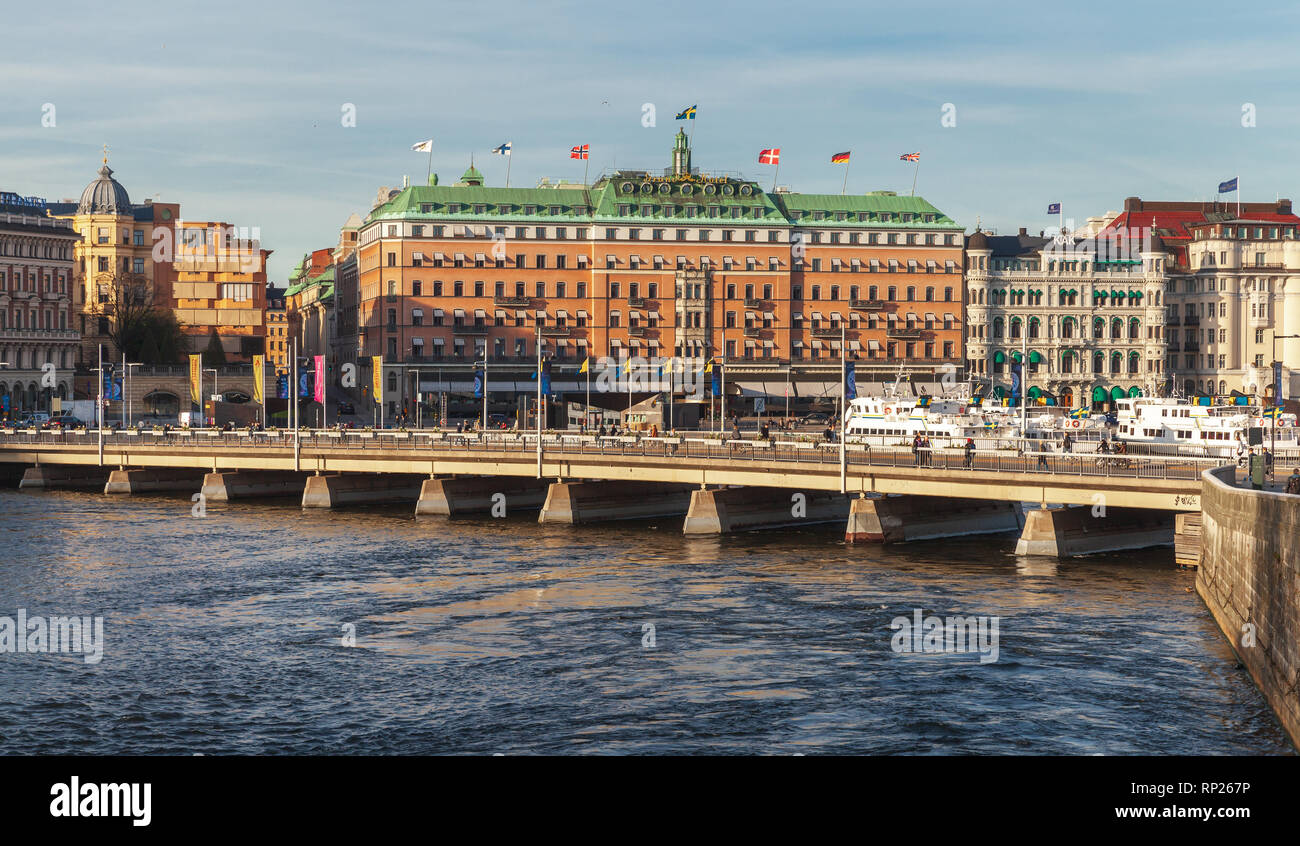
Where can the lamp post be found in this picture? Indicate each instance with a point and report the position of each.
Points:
(539, 401)
(213, 371)
(1277, 393)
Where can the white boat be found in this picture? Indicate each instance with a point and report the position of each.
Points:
(1199, 429)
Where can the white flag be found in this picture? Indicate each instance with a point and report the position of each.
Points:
(423, 146)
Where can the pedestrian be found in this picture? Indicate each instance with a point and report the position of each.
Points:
(1241, 455)
(1268, 463)
(764, 433)
(925, 451)
(916, 450)
(601, 432)
(1067, 443)
(1293, 482)
(970, 453)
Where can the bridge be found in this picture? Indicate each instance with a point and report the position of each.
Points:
(715, 484)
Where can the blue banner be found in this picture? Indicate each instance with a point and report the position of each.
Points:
(546, 377)
(112, 387)
(282, 386)
(478, 384)
(1229, 186)
(306, 384)
(1053, 208)
(1015, 382)
(850, 382)
(717, 378)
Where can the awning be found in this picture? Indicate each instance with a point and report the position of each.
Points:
(999, 357)
(1117, 393)
(460, 256)
(559, 312)
(816, 344)
(835, 345)
(1035, 357)
(873, 345)
(749, 343)
(816, 315)
(417, 255)
(582, 342)
(540, 313)
(615, 342)
(460, 312)
(439, 257)
(520, 314)
(929, 315)
(478, 312)
(501, 313)
(769, 315)
(769, 345)
(653, 315)
(1135, 391)
(480, 257)
(855, 346)
(582, 312)
(749, 315)
(633, 314)
(437, 312)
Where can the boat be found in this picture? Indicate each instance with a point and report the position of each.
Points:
(1201, 427)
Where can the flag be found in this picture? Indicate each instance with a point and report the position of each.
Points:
(850, 382)
(1229, 186)
(839, 157)
(503, 150)
(770, 156)
(377, 377)
(1053, 208)
(1272, 411)
(1079, 413)
(579, 151)
(423, 147)
(910, 157)
(627, 366)
(585, 363)
(687, 113)
(196, 376)
(259, 379)
(319, 393)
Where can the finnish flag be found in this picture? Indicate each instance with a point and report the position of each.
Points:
(503, 150)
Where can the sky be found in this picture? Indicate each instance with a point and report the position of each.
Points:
(237, 110)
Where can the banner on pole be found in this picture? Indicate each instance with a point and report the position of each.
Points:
(196, 375)
(319, 393)
(259, 379)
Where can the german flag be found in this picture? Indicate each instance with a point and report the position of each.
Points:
(839, 157)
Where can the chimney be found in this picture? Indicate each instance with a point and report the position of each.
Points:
(1023, 232)
(1283, 206)
(1132, 204)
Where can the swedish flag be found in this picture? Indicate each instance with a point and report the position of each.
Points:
(1272, 411)
(687, 113)
(1079, 413)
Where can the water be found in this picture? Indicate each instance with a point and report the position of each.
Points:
(484, 636)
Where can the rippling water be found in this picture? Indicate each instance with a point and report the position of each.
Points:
(483, 636)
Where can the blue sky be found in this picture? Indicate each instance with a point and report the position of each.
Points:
(234, 109)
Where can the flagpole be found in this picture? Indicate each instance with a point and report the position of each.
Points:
(845, 186)
(586, 164)
(429, 171)
(776, 171)
(916, 172)
(508, 163)
(586, 414)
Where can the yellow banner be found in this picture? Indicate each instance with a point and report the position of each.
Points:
(377, 377)
(196, 376)
(259, 379)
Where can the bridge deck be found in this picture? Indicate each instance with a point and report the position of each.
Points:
(1130, 481)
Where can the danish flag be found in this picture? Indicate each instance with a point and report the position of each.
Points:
(772, 156)
(579, 152)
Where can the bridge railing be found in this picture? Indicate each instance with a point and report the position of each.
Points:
(673, 449)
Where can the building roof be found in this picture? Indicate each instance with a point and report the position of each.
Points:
(104, 195)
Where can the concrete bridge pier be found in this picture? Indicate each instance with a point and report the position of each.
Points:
(596, 502)
(152, 480)
(1084, 530)
(11, 474)
(65, 477)
(250, 484)
(360, 489)
(894, 519)
(496, 495)
(741, 509)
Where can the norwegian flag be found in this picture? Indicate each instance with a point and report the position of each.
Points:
(910, 157)
(772, 156)
(579, 152)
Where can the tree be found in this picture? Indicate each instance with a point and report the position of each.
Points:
(214, 355)
(126, 303)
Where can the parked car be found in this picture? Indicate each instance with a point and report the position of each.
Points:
(64, 421)
(817, 418)
(34, 419)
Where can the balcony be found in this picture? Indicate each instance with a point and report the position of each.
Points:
(753, 302)
(826, 332)
(636, 302)
(636, 331)
(752, 331)
(38, 335)
(1191, 321)
(867, 305)
(511, 301)
(555, 331)
(1174, 321)
(905, 334)
(470, 330)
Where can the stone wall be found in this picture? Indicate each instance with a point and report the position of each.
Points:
(1249, 578)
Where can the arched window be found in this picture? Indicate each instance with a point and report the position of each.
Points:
(997, 327)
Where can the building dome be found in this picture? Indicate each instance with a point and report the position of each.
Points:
(471, 176)
(977, 241)
(104, 196)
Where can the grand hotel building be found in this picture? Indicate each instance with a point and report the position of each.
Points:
(673, 263)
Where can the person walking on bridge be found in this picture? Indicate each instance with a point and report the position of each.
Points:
(1293, 482)
(969, 449)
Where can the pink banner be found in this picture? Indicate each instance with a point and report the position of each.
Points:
(320, 379)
